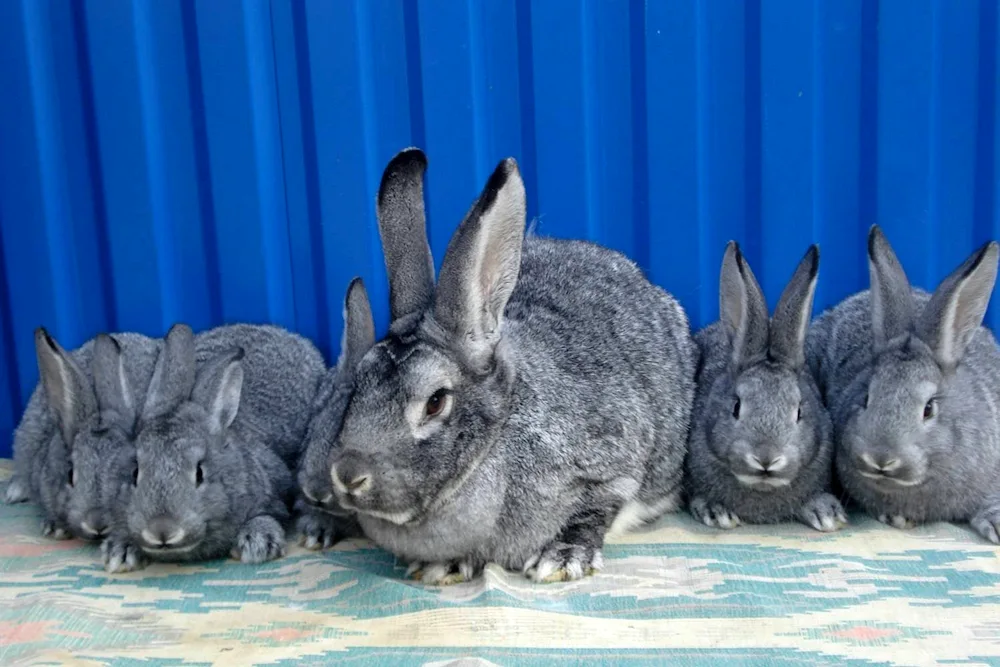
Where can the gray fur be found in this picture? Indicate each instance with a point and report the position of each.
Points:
(321, 519)
(204, 487)
(551, 410)
(879, 357)
(283, 372)
(758, 363)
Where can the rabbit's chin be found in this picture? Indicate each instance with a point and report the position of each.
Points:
(400, 518)
(884, 484)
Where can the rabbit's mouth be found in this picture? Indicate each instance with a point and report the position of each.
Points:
(763, 482)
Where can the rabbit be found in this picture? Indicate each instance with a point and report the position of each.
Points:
(321, 520)
(284, 371)
(70, 454)
(536, 398)
(202, 488)
(761, 445)
(912, 382)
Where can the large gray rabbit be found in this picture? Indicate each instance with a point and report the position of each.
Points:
(322, 521)
(761, 444)
(912, 381)
(538, 394)
(204, 487)
(73, 449)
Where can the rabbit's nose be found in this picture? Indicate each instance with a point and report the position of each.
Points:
(883, 463)
(350, 475)
(94, 525)
(768, 463)
(317, 497)
(163, 532)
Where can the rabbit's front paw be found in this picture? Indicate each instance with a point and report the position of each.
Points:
(121, 555)
(896, 521)
(443, 574)
(261, 539)
(824, 513)
(713, 515)
(987, 523)
(563, 562)
(17, 491)
(55, 530)
(318, 530)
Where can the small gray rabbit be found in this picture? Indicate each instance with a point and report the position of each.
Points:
(538, 394)
(74, 436)
(761, 444)
(912, 381)
(74, 450)
(321, 520)
(202, 488)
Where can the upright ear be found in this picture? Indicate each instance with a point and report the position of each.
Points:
(111, 386)
(481, 265)
(218, 388)
(791, 318)
(359, 329)
(956, 309)
(742, 307)
(67, 389)
(403, 229)
(173, 376)
(891, 297)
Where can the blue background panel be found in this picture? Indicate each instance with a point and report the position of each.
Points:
(165, 160)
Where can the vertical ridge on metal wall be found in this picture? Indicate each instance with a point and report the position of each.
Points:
(218, 162)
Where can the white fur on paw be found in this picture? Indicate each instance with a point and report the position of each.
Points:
(16, 492)
(896, 521)
(563, 562)
(260, 543)
(317, 531)
(824, 513)
(441, 574)
(714, 515)
(121, 556)
(987, 524)
(50, 529)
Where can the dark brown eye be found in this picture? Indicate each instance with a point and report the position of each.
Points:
(798, 415)
(199, 476)
(736, 409)
(435, 403)
(930, 409)
(865, 404)
(135, 476)
(72, 476)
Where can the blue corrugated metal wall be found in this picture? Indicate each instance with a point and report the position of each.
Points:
(217, 160)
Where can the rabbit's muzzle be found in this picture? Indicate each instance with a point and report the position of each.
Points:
(887, 471)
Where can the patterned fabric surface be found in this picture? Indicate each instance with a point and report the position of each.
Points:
(678, 594)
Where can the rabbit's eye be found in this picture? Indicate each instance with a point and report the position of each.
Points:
(435, 404)
(865, 403)
(135, 476)
(199, 475)
(930, 409)
(72, 476)
(736, 409)
(798, 415)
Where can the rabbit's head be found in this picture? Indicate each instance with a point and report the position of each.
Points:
(185, 467)
(764, 410)
(331, 401)
(431, 396)
(909, 409)
(96, 421)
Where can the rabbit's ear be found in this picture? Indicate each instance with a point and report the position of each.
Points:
(219, 387)
(67, 389)
(403, 229)
(791, 318)
(742, 307)
(481, 265)
(891, 297)
(359, 329)
(173, 376)
(111, 386)
(957, 308)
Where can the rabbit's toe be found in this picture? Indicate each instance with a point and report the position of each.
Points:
(260, 540)
(713, 515)
(896, 521)
(17, 492)
(987, 524)
(317, 531)
(442, 574)
(563, 562)
(824, 513)
(55, 530)
(120, 556)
